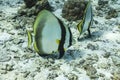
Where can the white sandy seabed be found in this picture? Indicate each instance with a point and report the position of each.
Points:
(96, 58)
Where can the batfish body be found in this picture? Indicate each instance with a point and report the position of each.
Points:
(86, 22)
(50, 34)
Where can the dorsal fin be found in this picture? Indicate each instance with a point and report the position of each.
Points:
(85, 11)
(86, 7)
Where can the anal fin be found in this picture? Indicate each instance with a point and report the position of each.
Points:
(29, 38)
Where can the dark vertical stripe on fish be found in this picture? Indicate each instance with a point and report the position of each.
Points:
(70, 40)
(62, 41)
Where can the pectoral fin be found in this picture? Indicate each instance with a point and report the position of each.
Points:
(79, 26)
(65, 49)
(58, 41)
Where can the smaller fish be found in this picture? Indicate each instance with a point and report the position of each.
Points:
(50, 35)
(87, 20)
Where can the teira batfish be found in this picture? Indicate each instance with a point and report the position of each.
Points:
(86, 22)
(50, 34)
